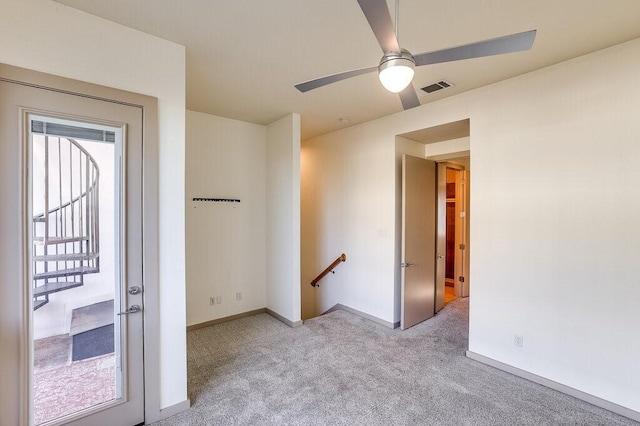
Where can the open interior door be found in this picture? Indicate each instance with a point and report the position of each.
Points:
(418, 240)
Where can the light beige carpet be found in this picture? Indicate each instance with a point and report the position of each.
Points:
(341, 369)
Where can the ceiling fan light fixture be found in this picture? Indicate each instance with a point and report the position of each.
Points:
(396, 71)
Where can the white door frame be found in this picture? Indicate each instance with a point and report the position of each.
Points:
(148, 109)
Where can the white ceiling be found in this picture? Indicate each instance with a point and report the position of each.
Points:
(244, 56)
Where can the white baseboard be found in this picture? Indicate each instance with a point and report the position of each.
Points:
(591, 399)
(226, 319)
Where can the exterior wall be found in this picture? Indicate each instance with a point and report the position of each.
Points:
(555, 232)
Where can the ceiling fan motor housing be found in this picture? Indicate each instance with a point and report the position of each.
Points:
(393, 59)
(396, 70)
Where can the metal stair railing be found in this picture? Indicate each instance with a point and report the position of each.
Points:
(66, 237)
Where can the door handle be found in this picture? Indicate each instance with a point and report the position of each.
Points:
(440, 257)
(407, 265)
(132, 310)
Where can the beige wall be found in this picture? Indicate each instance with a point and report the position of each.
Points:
(226, 242)
(555, 233)
(252, 247)
(348, 177)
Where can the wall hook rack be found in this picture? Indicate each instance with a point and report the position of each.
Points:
(217, 200)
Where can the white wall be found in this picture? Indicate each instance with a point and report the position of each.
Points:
(555, 225)
(44, 35)
(283, 217)
(226, 242)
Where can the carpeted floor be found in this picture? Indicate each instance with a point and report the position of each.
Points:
(341, 369)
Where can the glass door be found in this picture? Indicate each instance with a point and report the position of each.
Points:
(78, 207)
(76, 266)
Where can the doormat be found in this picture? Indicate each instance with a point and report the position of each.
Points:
(96, 342)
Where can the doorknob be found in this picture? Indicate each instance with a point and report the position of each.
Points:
(440, 257)
(132, 310)
(407, 265)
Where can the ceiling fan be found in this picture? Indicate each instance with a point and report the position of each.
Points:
(396, 68)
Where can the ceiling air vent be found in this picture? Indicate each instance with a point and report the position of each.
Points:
(442, 84)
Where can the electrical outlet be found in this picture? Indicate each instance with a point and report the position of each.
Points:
(238, 296)
(215, 300)
(218, 300)
(518, 340)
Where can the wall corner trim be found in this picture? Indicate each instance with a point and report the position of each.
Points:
(292, 324)
(591, 399)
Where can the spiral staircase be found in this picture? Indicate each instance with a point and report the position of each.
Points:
(65, 235)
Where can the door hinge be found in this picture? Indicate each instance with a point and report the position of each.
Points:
(461, 279)
(463, 246)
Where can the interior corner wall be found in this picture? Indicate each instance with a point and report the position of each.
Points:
(352, 173)
(43, 35)
(322, 206)
(555, 226)
(225, 242)
(283, 218)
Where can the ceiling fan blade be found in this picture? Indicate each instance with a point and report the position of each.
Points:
(494, 46)
(323, 81)
(377, 13)
(409, 98)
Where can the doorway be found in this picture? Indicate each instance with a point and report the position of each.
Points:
(440, 148)
(453, 179)
(80, 159)
(434, 232)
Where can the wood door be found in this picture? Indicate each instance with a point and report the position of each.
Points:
(418, 240)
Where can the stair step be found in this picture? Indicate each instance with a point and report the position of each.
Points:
(66, 272)
(59, 240)
(39, 303)
(49, 288)
(65, 257)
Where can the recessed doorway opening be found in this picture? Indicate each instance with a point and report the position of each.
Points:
(445, 150)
